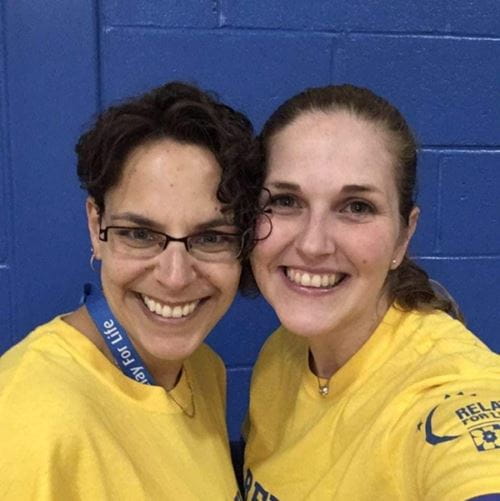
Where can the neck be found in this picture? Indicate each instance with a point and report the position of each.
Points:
(329, 352)
(166, 373)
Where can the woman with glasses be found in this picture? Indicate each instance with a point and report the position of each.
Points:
(121, 399)
(370, 389)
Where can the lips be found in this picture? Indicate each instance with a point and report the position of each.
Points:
(314, 280)
(164, 310)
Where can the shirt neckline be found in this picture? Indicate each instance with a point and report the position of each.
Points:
(361, 365)
(153, 398)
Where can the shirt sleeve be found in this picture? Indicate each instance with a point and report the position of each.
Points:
(452, 451)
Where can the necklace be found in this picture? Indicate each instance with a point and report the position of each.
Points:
(323, 386)
(190, 409)
(323, 383)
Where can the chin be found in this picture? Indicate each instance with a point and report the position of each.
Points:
(170, 347)
(305, 323)
(307, 329)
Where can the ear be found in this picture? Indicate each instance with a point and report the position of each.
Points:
(406, 236)
(94, 224)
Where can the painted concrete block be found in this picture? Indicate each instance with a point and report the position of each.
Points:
(448, 86)
(474, 285)
(239, 336)
(171, 13)
(5, 212)
(51, 65)
(424, 240)
(254, 72)
(6, 338)
(470, 204)
(468, 17)
(449, 89)
(238, 387)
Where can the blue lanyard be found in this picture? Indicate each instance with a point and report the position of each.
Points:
(115, 337)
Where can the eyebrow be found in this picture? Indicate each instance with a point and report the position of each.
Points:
(363, 188)
(283, 185)
(213, 223)
(132, 217)
(348, 188)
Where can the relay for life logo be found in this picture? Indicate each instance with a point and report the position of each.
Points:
(481, 420)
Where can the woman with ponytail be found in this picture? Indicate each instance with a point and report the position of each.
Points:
(370, 389)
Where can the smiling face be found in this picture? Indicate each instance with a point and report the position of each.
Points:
(167, 303)
(336, 227)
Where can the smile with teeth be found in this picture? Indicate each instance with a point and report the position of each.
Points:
(167, 311)
(307, 279)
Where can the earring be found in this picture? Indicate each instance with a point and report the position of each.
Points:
(92, 260)
(394, 264)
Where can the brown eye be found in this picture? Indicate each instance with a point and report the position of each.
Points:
(282, 201)
(137, 237)
(141, 234)
(359, 207)
(283, 204)
(214, 241)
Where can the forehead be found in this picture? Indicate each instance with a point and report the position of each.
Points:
(334, 147)
(165, 179)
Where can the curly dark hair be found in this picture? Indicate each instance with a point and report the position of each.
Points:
(408, 285)
(184, 113)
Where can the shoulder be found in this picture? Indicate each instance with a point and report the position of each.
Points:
(433, 359)
(435, 337)
(455, 440)
(450, 382)
(281, 359)
(44, 400)
(437, 324)
(42, 377)
(207, 367)
(442, 424)
(289, 346)
(33, 355)
(206, 358)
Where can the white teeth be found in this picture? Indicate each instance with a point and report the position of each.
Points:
(316, 281)
(305, 280)
(167, 311)
(312, 279)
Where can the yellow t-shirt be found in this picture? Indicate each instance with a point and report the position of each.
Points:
(73, 427)
(413, 415)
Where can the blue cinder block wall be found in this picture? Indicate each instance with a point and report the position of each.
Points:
(61, 62)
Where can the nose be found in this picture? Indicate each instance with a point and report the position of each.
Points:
(315, 238)
(174, 267)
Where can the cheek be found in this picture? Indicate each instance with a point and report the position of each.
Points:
(373, 251)
(277, 238)
(120, 271)
(224, 277)
(263, 228)
(262, 254)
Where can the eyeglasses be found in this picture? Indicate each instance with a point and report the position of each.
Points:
(143, 243)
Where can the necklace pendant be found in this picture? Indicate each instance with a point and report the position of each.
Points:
(324, 390)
